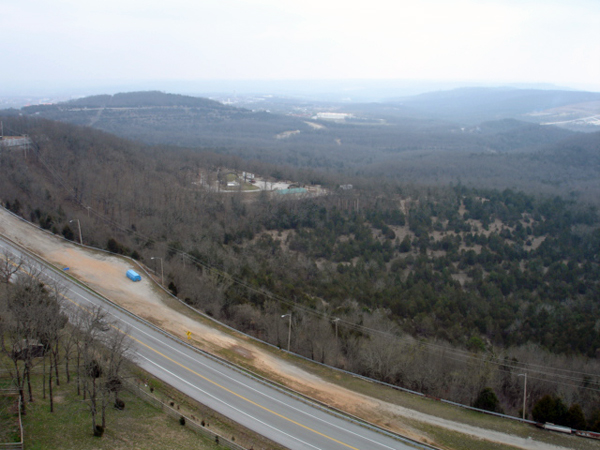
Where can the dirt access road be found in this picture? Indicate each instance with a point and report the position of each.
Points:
(106, 274)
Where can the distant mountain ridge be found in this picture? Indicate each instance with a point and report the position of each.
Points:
(474, 105)
(156, 117)
(159, 118)
(378, 140)
(145, 98)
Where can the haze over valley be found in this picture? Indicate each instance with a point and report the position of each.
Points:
(406, 192)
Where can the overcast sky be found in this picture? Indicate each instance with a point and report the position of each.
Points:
(497, 41)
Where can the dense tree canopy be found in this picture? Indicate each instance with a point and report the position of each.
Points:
(480, 269)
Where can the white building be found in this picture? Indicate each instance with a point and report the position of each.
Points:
(333, 116)
(14, 141)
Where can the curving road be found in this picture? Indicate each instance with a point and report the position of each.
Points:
(288, 420)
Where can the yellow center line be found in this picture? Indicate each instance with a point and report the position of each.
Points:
(241, 396)
(221, 386)
(217, 384)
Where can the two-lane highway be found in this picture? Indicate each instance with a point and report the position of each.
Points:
(290, 421)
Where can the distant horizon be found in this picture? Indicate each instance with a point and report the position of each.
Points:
(84, 48)
(348, 90)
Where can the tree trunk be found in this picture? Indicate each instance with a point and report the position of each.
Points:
(104, 411)
(44, 378)
(93, 404)
(50, 389)
(29, 384)
(67, 370)
(79, 376)
(56, 365)
(22, 395)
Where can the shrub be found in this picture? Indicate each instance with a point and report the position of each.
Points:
(14, 207)
(182, 420)
(594, 422)
(119, 404)
(488, 401)
(68, 233)
(476, 344)
(576, 418)
(114, 246)
(550, 409)
(98, 431)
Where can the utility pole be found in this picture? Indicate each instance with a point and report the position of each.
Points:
(78, 226)
(289, 330)
(336, 320)
(524, 393)
(162, 273)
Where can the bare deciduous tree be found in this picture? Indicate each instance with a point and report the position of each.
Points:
(9, 265)
(27, 306)
(50, 335)
(102, 350)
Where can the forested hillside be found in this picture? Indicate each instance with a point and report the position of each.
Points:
(443, 290)
(379, 140)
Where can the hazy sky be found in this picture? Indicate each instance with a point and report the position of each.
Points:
(496, 41)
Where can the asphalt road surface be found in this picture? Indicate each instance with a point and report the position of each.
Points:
(288, 420)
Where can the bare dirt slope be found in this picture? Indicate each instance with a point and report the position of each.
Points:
(105, 274)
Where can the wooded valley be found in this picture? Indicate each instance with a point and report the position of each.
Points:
(487, 145)
(415, 276)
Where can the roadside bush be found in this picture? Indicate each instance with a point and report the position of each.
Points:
(115, 246)
(576, 418)
(68, 233)
(594, 422)
(550, 409)
(488, 401)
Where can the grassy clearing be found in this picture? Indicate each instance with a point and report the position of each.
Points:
(141, 425)
(138, 426)
(9, 419)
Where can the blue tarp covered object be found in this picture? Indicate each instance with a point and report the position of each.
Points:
(133, 275)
